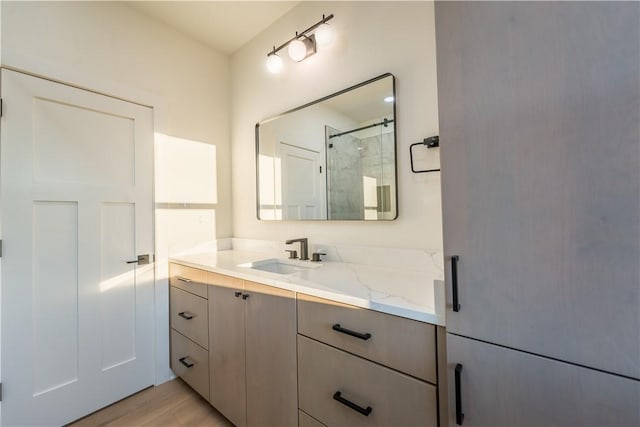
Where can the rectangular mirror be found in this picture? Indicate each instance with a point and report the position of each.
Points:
(331, 159)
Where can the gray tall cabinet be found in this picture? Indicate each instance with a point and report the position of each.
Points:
(539, 108)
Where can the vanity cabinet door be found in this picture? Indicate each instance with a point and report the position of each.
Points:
(271, 356)
(227, 351)
(503, 387)
(252, 347)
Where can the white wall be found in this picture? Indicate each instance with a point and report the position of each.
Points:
(373, 38)
(111, 48)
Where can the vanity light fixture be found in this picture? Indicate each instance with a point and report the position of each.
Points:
(274, 62)
(325, 34)
(301, 48)
(303, 44)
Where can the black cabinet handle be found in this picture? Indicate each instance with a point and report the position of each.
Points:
(339, 328)
(454, 283)
(184, 361)
(237, 294)
(459, 414)
(245, 296)
(185, 315)
(364, 411)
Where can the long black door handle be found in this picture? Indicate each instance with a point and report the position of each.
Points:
(364, 411)
(454, 283)
(184, 361)
(339, 328)
(185, 315)
(458, 391)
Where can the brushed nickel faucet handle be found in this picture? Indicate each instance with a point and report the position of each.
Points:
(315, 257)
(293, 254)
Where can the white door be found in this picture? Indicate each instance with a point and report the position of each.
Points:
(76, 185)
(303, 183)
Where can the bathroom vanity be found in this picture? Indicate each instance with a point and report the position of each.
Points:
(314, 344)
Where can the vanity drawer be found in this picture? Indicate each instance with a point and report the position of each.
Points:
(403, 344)
(196, 375)
(190, 279)
(327, 375)
(189, 316)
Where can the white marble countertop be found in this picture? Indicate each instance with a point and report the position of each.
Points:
(414, 294)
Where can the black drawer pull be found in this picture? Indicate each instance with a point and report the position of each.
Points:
(185, 315)
(454, 283)
(245, 296)
(339, 328)
(364, 411)
(184, 361)
(459, 414)
(237, 294)
(184, 279)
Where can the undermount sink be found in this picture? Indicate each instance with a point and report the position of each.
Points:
(280, 266)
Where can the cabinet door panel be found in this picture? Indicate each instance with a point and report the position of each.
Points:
(503, 387)
(271, 357)
(227, 352)
(538, 106)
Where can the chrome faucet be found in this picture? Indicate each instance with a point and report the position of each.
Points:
(304, 247)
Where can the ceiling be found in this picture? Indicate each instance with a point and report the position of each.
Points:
(223, 25)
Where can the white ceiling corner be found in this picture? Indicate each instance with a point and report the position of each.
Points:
(225, 26)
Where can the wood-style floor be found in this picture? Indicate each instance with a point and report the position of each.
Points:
(170, 404)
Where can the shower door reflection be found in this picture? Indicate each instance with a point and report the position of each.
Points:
(361, 171)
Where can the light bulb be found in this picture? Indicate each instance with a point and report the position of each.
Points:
(297, 50)
(325, 35)
(274, 63)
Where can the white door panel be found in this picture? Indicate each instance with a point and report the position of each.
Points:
(117, 285)
(76, 184)
(106, 156)
(55, 296)
(303, 190)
